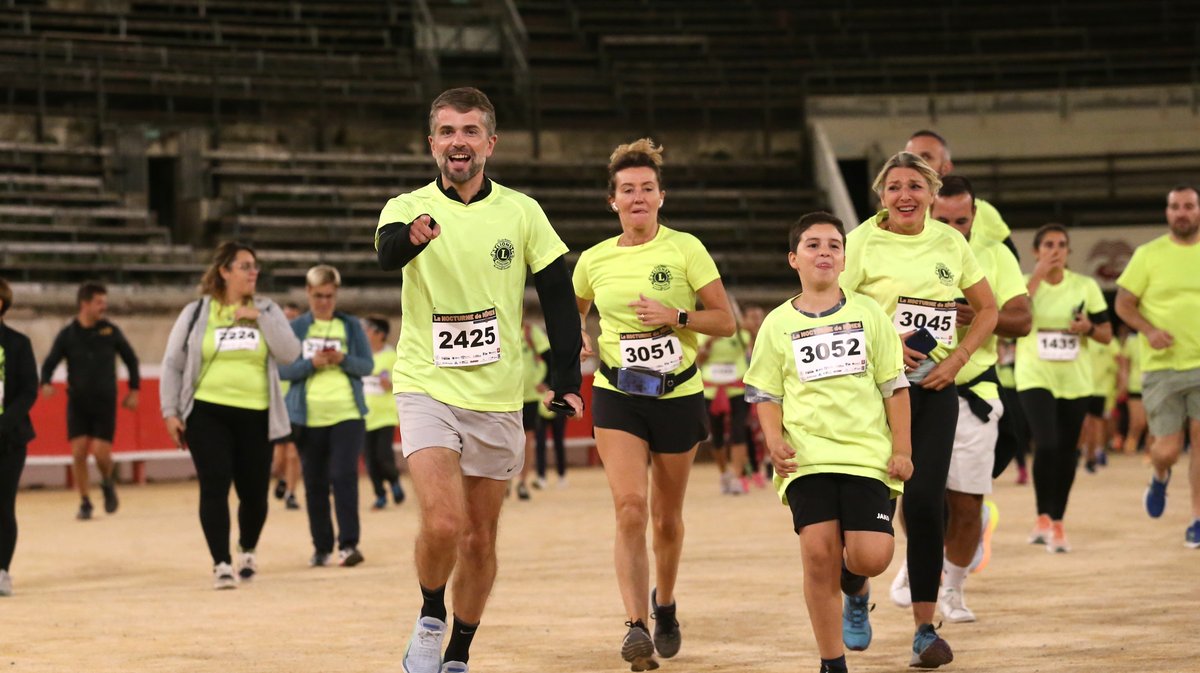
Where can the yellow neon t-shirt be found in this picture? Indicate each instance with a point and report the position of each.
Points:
(1164, 276)
(1104, 367)
(838, 424)
(726, 363)
(927, 270)
(670, 269)
(989, 224)
(531, 358)
(1132, 350)
(377, 390)
(233, 362)
(474, 272)
(1003, 274)
(1053, 309)
(330, 399)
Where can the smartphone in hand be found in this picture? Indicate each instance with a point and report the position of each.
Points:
(921, 341)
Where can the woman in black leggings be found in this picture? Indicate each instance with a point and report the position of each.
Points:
(18, 385)
(914, 267)
(1054, 375)
(221, 400)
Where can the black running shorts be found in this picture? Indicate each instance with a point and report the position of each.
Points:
(672, 425)
(1095, 406)
(857, 503)
(91, 416)
(529, 416)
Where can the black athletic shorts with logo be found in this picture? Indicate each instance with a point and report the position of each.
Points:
(91, 415)
(857, 503)
(673, 425)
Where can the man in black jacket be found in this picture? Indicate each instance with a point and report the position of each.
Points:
(90, 344)
(18, 392)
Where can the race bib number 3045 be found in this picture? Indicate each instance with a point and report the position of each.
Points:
(936, 316)
(659, 350)
(466, 339)
(830, 350)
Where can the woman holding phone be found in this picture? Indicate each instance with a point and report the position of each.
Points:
(1054, 375)
(221, 400)
(648, 401)
(914, 267)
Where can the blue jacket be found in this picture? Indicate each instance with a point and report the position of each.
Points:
(358, 363)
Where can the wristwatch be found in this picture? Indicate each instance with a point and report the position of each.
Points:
(683, 318)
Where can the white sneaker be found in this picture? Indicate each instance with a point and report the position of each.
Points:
(424, 653)
(736, 487)
(540, 483)
(223, 577)
(562, 482)
(726, 483)
(5, 583)
(247, 565)
(901, 593)
(952, 606)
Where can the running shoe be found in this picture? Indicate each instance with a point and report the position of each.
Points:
(952, 606)
(1156, 496)
(397, 492)
(522, 492)
(380, 503)
(759, 480)
(223, 577)
(990, 514)
(1191, 539)
(5, 583)
(901, 593)
(454, 667)
(929, 649)
(726, 478)
(280, 489)
(424, 653)
(638, 648)
(856, 622)
(1057, 543)
(348, 557)
(1102, 458)
(540, 483)
(1090, 466)
(110, 496)
(737, 485)
(318, 560)
(247, 564)
(562, 482)
(1041, 530)
(85, 510)
(290, 502)
(667, 637)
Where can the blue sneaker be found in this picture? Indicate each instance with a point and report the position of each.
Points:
(1156, 496)
(1191, 539)
(929, 650)
(380, 503)
(856, 622)
(397, 492)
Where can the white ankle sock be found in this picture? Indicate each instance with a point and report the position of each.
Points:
(955, 575)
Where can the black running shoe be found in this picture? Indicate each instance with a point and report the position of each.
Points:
(85, 510)
(667, 637)
(280, 489)
(637, 648)
(110, 496)
(291, 502)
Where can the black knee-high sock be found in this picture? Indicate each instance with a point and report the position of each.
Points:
(851, 583)
(459, 648)
(434, 604)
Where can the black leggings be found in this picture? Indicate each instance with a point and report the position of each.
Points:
(558, 428)
(1055, 425)
(230, 445)
(12, 463)
(934, 417)
(380, 458)
(1013, 440)
(329, 458)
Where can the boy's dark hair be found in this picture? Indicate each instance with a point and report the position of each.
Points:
(808, 221)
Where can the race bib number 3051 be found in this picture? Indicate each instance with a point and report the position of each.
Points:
(936, 316)
(236, 338)
(659, 350)
(314, 345)
(466, 339)
(830, 350)
(1057, 346)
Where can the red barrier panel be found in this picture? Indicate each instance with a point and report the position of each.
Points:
(143, 430)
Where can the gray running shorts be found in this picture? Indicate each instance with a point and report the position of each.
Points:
(491, 443)
(1171, 397)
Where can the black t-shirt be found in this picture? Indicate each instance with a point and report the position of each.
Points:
(91, 358)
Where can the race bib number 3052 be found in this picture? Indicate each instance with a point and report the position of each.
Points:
(466, 339)
(830, 350)
(659, 350)
(936, 316)
(1057, 346)
(236, 338)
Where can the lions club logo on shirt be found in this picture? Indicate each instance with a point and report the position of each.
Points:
(502, 254)
(944, 274)
(660, 278)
